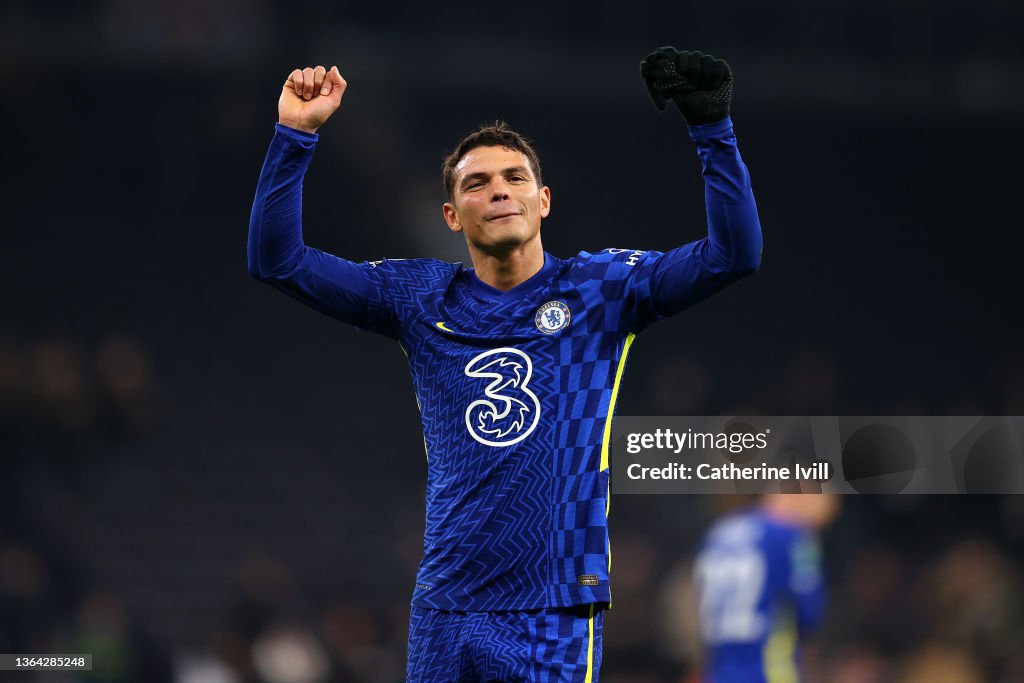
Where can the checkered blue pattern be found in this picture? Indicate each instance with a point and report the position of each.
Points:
(542, 646)
(514, 525)
(515, 390)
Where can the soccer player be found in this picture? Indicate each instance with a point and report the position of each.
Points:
(516, 360)
(759, 578)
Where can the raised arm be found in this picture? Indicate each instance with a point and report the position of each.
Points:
(701, 88)
(276, 251)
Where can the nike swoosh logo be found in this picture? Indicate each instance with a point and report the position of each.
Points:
(443, 327)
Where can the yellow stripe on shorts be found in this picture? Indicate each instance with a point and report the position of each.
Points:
(590, 646)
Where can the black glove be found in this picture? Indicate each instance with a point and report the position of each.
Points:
(699, 84)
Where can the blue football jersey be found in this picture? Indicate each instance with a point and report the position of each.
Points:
(516, 389)
(761, 588)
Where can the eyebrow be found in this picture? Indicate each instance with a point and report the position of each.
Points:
(505, 171)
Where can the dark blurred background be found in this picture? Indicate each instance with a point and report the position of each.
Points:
(205, 482)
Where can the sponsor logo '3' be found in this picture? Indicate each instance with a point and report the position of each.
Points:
(509, 411)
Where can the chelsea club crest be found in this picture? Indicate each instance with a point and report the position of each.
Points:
(551, 317)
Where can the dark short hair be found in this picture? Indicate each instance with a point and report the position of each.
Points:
(500, 134)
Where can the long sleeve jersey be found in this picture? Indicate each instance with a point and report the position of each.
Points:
(516, 389)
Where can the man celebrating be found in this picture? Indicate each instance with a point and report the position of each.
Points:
(516, 363)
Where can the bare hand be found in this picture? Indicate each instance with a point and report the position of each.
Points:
(309, 97)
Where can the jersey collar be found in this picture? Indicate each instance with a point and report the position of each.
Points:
(519, 290)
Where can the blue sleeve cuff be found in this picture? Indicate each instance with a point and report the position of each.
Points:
(297, 134)
(711, 130)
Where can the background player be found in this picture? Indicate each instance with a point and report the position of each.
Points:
(760, 586)
(515, 363)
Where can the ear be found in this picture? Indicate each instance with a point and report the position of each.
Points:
(450, 217)
(545, 201)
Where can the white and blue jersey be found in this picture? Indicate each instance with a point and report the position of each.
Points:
(516, 389)
(761, 589)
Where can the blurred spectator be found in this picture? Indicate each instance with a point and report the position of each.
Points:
(359, 645)
(854, 664)
(12, 380)
(28, 607)
(58, 384)
(290, 654)
(100, 630)
(263, 593)
(204, 670)
(972, 598)
(862, 601)
(126, 378)
(941, 663)
(52, 387)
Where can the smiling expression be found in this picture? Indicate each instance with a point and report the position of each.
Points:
(496, 203)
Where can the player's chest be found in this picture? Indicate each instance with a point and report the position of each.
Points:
(463, 339)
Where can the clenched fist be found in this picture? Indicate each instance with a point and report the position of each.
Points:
(699, 84)
(309, 97)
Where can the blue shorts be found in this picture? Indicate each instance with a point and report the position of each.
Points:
(558, 645)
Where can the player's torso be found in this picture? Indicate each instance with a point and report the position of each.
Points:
(514, 395)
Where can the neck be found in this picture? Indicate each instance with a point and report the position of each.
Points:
(805, 509)
(506, 269)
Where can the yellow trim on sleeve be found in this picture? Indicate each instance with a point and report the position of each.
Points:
(611, 404)
(607, 506)
(607, 437)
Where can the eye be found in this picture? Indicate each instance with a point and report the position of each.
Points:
(518, 177)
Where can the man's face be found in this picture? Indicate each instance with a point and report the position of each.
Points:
(497, 202)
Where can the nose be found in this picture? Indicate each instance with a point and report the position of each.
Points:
(499, 190)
